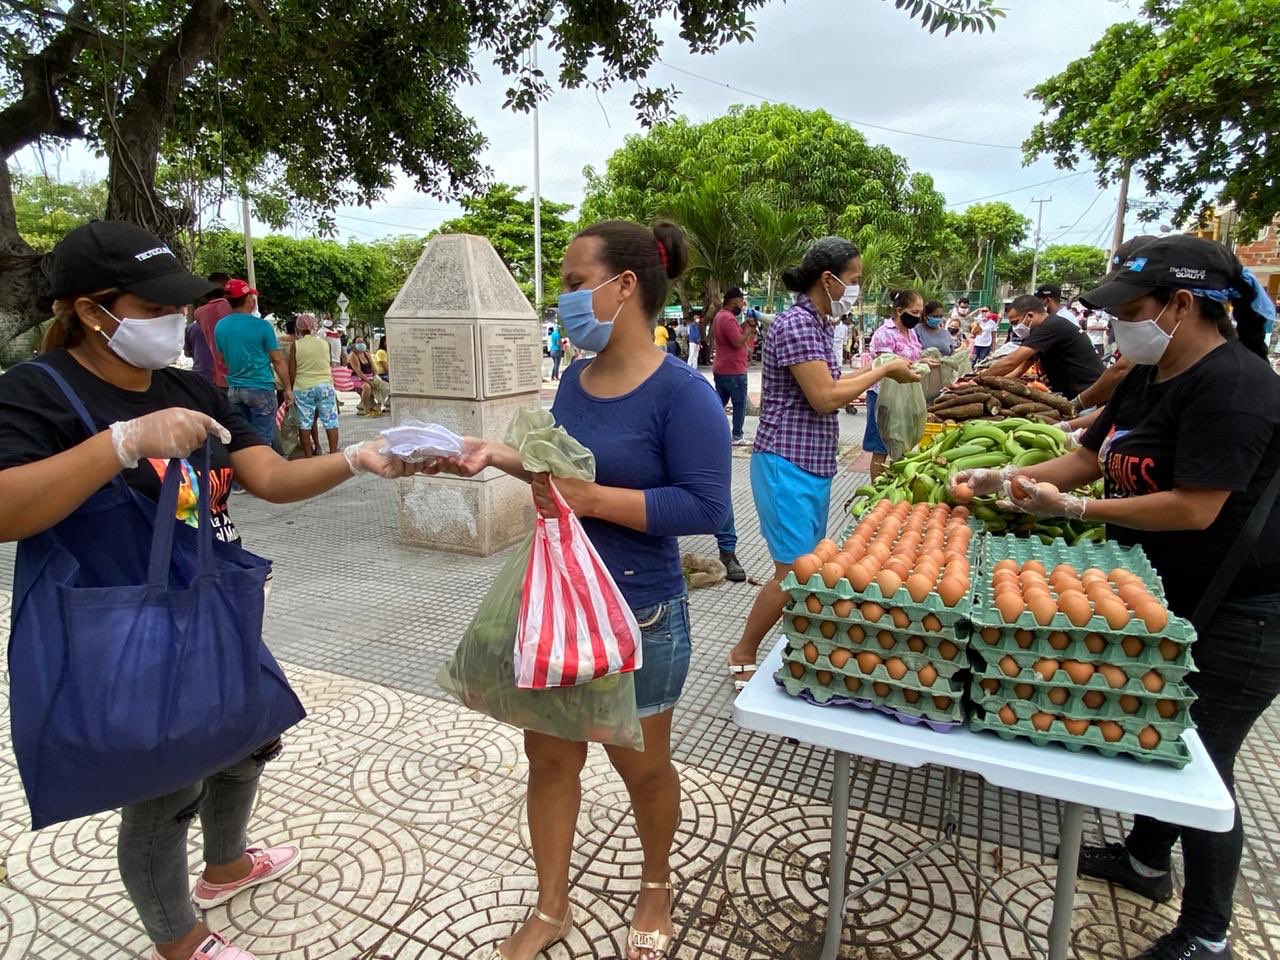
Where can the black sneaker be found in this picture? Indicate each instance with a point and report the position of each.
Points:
(1111, 863)
(1180, 945)
(733, 571)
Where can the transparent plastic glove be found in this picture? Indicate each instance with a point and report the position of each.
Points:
(984, 481)
(371, 457)
(163, 435)
(1043, 500)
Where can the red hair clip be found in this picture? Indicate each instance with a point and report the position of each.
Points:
(662, 255)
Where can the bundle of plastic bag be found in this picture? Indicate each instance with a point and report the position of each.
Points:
(482, 671)
(417, 442)
(901, 410)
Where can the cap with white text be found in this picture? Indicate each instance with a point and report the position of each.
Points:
(106, 254)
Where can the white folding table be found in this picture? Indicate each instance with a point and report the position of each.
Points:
(1193, 796)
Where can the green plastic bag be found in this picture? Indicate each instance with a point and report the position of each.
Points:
(481, 672)
(900, 410)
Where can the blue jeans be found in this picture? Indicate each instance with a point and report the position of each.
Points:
(733, 386)
(256, 406)
(727, 536)
(666, 645)
(1238, 655)
(556, 357)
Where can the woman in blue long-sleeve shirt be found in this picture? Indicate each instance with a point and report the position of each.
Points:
(662, 451)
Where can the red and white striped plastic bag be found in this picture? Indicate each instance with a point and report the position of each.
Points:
(575, 626)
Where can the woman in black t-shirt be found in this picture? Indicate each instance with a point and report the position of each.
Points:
(1187, 446)
(117, 328)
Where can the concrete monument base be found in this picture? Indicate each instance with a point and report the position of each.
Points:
(450, 513)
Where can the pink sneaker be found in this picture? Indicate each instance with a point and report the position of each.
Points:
(215, 947)
(268, 864)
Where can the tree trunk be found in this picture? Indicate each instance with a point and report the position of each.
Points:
(21, 279)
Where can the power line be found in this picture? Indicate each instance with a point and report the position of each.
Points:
(382, 223)
(1078, 219)
(856, 123)
(1029, 186)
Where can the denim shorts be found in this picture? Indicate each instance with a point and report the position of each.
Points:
(871, 441)
(666, 646)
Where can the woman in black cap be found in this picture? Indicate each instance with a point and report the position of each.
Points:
(1189, 447)
(118, 325)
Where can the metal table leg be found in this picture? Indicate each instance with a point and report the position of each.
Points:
(839, 855)
(1070, 828)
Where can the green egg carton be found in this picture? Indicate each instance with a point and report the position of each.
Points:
(949, 684)
(843, 590)
(1133, 669)
(1113, 653)
(901, 648)
(1179, 694)
(1075, 708)
(957, 633)
(1173, 752)
(1106, 556)
(924, 708)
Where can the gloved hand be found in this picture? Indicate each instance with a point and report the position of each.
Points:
(1043, 500)
(371, 457)
(983, 482)
(163, 435)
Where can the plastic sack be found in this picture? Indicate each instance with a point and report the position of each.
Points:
(482, 671)
(901, 411)
(416, 442)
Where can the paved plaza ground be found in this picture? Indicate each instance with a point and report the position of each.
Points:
(409, 807)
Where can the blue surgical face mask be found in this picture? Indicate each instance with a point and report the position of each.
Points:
(934, 322)
(578, 315)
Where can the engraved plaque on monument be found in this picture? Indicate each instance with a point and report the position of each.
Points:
(466, 352)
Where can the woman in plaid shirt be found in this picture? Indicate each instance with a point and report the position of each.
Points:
(794, 457)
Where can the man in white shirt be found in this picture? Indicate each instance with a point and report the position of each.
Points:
(985, 337)
(1051, 295)
(840, 338)
(1097, 323)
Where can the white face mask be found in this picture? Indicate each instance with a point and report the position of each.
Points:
(151, 344)
(1142, 341)
(843, 305)
(1020, 330)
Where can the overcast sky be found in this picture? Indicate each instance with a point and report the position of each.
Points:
(861, 60)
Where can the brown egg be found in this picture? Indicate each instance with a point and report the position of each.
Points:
(1111, 731)
(1046, 667)
(1034, 566)
(855, 551)
(832, 573)
(1113, 610)
(1166, 708)
(1009, 666)
(856, 633)
(1075, 606)
(1063, 569)
(1008, 563)
(900, 618)
(1059, 640)
(1029, 579)
(991, 685)
(915, 644)
(805, 567)
(1043, 609)
(867, 661)
(942, 703)
(824, 677)
(839, 657)
(861, 574)
(896, 667)
(911, 696)
(886, 640)
(947, 650)
(810, 652)
(852, 684)
(881, 689)
(1093, 573)
(1058, 695)
(1094, 699)
(927, 675)
(1094, 643)
(1132, 647)
(1129, 703)
(900, 567)
(918, 586)
(842, 608)
(844, 559)
(880, 551)
(796, 669)
(951, 590)
(1076, 727)
(1152, 613)
(1131, 593)
(931, 623)
(813, 604)
(1078, 671)
(826, 549)
(1042, 721)
(800, 624)
(871, 611)
(1097, 592)
(1115, 677)
(1036, 592)
(990, 635)
(1007, 716)
(1170, 649)
(1023, 691)
(1153, 681)
(1148, 738)
(827, 629)
(1010, 607)
(1024, 638)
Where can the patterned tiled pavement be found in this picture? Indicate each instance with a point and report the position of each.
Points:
(409, 807)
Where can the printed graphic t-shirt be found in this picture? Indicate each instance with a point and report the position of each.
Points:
(1216, 426)
(36, 422)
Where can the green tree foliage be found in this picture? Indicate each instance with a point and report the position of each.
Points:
(505, 218)
(1189, 94)
(47, 209)
(996, 225)
(1076, 265)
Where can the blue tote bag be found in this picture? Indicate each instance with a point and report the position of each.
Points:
(136, 661)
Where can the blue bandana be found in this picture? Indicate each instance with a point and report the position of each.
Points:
(1255, 293)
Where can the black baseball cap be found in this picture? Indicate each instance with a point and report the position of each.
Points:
(112, 253)
(1178, 261)
(1051, 290)
(733, 293)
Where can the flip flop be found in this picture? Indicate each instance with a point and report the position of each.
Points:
(736, 670)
